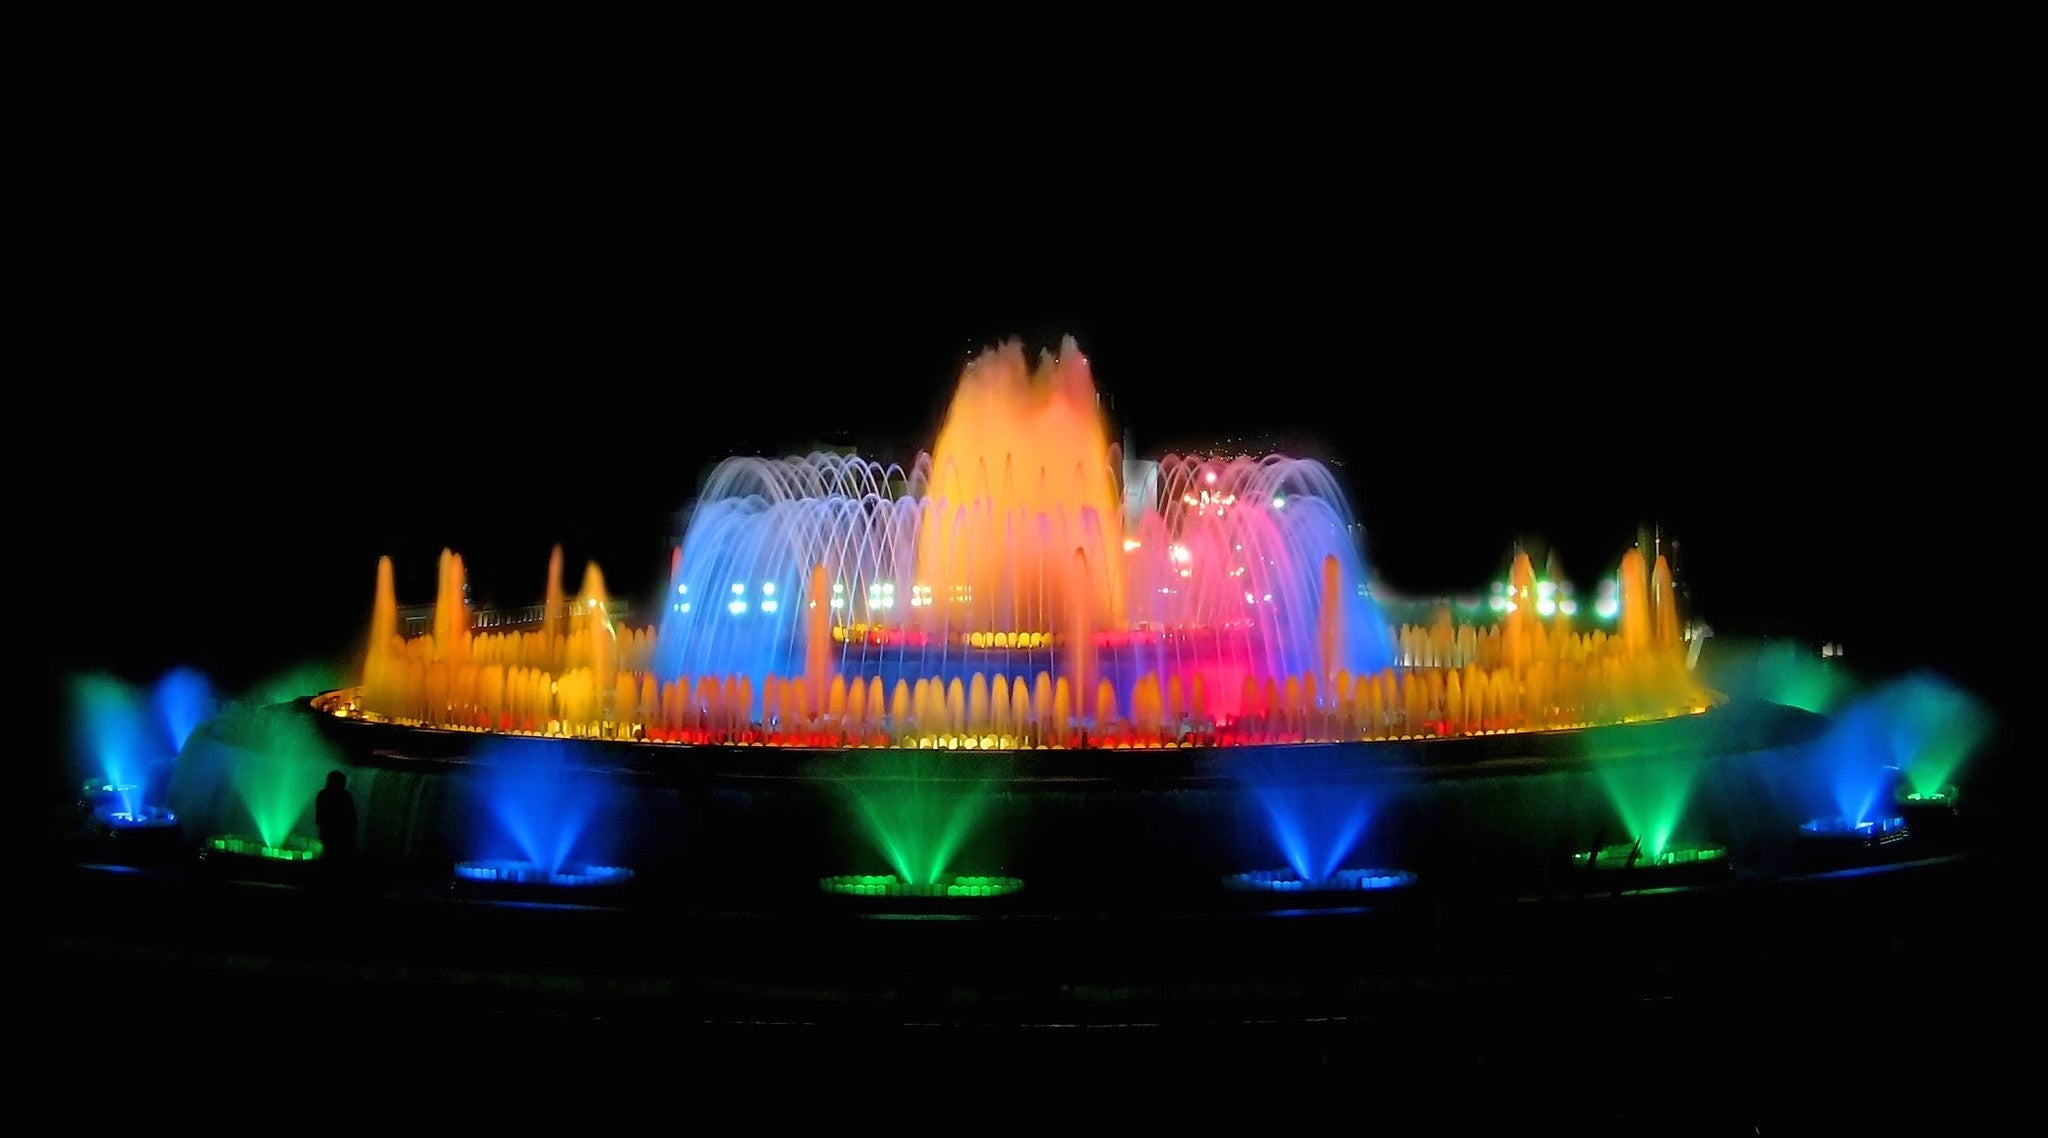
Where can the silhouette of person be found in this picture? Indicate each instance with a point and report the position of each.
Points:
(334, 811)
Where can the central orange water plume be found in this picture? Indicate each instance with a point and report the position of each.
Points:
(1022, 476)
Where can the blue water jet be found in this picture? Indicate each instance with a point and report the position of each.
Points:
(1852, 762)
(127, 736)
(544, 802)
(1315, 808)
(1910, 734)
(183, 699)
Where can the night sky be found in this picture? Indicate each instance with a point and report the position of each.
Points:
(258, 402)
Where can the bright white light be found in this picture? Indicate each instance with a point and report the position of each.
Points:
(684, 607)
(839, 602)
(1567, 606)
(770, 606)
(1178, 553)
(736, 607)
(1279, 503)
(838, 587)
(767, 588)
(1606, 607)
(684, 589)
(738, 589)
(1546, 607)
(1131, 543)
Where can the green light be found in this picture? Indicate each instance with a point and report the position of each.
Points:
(1936, 728)
(294, 848)
(949, 886)
(1650, 797)
(916, 808)
(1792, 675)
(278, 762)
(1618, 856)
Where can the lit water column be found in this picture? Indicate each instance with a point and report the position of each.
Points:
(1080, 638)
(1664, 606)
(818, 637)
(554, 604)
(451, 610)
(1332, 629)
(1521, 618)
(386, 689)
(1635, 603)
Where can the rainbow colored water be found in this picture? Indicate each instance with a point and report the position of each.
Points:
(1022, 585)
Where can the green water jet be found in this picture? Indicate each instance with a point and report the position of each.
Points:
(917, 810)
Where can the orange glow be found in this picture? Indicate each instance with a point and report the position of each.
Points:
(1023, 475)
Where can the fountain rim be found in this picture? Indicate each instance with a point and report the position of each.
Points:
(1733, 728)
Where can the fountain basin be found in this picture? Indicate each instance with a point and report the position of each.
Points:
(1346, 881)
(1841, 832)
(295, 848)
(97, 793)
(1624, 865)
(1830, 843)
(945, 887)
(111, 818)
(130, 835)
(1931, 816)
(248, 857)
(512, 872)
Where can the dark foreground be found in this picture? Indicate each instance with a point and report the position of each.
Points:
(1719, 1009)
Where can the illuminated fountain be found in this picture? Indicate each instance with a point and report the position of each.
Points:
(250, 776)
(1886, 767)
(1935, 727)
(1318, 812)
(129, 738)
(1650, 800)
(1020, 586)
(917, 814)
(1784, 672)
(1632, 866)
(548, 812)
